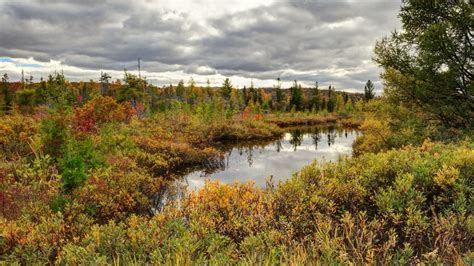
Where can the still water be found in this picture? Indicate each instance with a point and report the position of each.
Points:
(256, 161)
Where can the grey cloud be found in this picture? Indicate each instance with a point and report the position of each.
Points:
(258, 43)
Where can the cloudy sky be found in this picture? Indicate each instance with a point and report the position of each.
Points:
(329, 41)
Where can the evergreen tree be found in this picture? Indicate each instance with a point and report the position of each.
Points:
(279, 95)
(26, 100)
(251, 93)
(260, 96)
(315, 98)
(41, 94)
(104, 83)
(58, 91)
(245, 96)
(297, 99)
(192, 94)
(226, 89)
(7, 94)
(180, 90)
(346, 97)
(369, 91)
(331, 103)
(323, 104)
(132, 89)
(234, 101)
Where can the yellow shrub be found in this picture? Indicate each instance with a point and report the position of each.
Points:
(236, 210)
(446, 176)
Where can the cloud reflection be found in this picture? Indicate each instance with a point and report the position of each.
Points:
(281, 158)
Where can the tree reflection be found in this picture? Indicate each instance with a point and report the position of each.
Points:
(250, 156)
(296, 138)
(278, 145)
(316, 136)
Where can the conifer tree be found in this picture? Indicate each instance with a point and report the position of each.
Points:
(316, 98)
(226, 89)
(331, 103)
(180, 90)
(251, 93)
(279, 95)
(369, 91)
(297, 99)
(7, 94)
(104, 83)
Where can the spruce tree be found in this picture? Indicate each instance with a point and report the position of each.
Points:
(316, 98)
(331, 103)
(296, 100)
(369, 91)
(245, 96)
(226, 89)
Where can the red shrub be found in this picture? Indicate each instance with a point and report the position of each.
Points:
(99, 111)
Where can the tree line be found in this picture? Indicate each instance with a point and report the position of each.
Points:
(26, 95)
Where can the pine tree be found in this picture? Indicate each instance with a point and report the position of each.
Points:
(369, 91)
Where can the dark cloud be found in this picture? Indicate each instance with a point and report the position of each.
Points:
(329, 41)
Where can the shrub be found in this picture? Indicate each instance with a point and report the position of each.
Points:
(16, 134)
(148, 241)
(117, 191)
(99, 111)
(236, 211)
(55, 131)
(421, 197)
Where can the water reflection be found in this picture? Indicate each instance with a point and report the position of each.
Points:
(279, 159)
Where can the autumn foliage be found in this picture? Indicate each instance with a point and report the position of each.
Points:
(99, 111)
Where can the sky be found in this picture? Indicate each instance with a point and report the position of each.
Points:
(326, 41)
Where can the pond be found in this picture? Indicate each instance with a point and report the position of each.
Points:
(278, 159)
